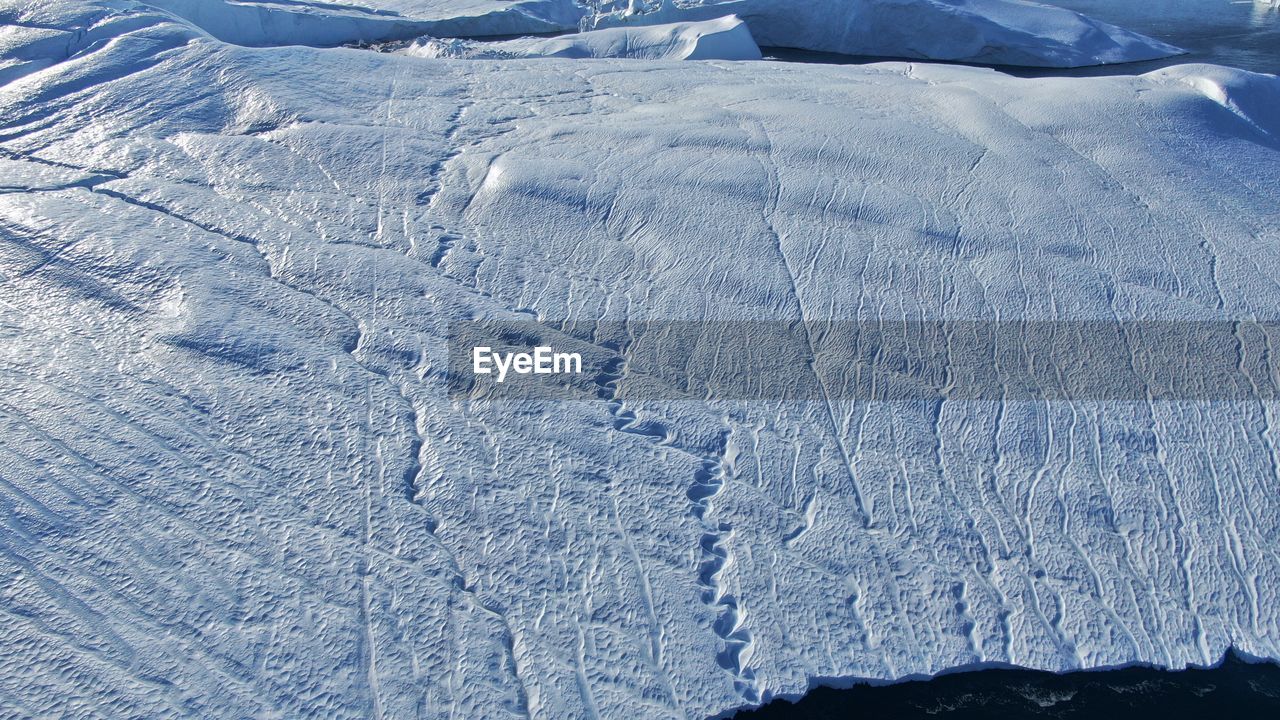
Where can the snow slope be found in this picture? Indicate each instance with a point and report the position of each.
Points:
(233, 481)
(725, 38)
(995, 32)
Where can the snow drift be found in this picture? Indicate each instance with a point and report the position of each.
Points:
(724, 38)
(1251, 97)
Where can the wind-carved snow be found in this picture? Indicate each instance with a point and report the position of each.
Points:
(235, 483)
(725, 38)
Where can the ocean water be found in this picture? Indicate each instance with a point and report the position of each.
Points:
(1239, 33)
(1236, 689)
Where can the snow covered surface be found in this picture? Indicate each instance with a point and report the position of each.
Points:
(233, 483)
(996, 32)
(725, 38)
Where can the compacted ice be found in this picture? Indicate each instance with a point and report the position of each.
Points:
(234, 481)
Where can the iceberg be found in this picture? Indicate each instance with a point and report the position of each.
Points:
(993, 32)
(263, 23)
(724, 38)
(235, 482)
(998, 32)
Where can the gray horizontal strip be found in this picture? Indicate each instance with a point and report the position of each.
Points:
(778, 360)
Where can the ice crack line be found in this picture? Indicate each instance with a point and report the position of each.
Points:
(757, 131)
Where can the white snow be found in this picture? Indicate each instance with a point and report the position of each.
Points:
(998, 32)
(233, 482)
(725, 38)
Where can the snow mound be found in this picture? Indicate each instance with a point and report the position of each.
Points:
(1252, 97)
(725, 38)
(995, 32)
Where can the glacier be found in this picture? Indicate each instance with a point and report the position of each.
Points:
(725, 38)
(233, 481)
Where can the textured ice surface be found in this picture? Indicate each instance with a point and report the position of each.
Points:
(232, 482)
(725, 38)
(999, 32)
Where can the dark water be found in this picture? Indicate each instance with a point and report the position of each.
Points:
(1238, 33)
(1235, 689)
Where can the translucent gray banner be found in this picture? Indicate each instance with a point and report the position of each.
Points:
(880, 361)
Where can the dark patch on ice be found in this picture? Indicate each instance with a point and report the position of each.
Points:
(1236, 34)
(1236, 688)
